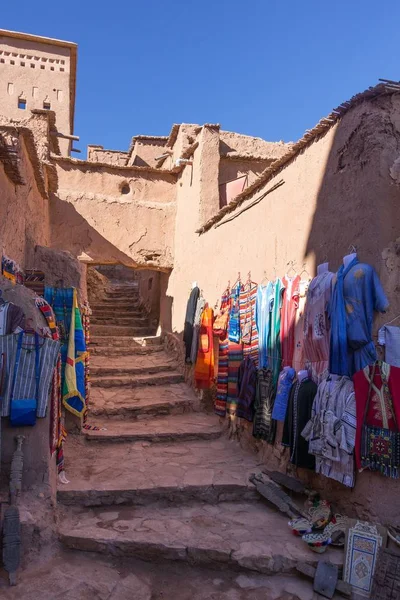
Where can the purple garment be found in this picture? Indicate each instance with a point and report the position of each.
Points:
(247, 378)
(285, 383)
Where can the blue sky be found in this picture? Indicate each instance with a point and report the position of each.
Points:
(266, 68)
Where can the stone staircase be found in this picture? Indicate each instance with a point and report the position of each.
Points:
(158, 481)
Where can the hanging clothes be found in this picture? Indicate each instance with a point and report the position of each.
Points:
(317, 327)
(285, 383)
(264, 301)
(298, 414)
(12, 318)
(247, 381)
(392, 344)
(196, 329)
(357, 293)
(264, 427)
(298, 355)
(331, 431)
(234, 314)
(248, 325)
(221, 329)
(235, 357)
(222, 378)
(380, 384)
(204, 369)
(189, 321)
(274, 342)
(290, 304)
(25, 382)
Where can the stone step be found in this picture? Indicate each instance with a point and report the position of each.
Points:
(124, 341)
(124, 351)
(118, 330)
(133, 365)
(141, 403)
(133, 381)
(245, 536)
(110, 303)
(122, 295)
(127, 321)
(141, 473)
(179, 428)
(106, 313)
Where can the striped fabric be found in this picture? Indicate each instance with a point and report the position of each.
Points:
(222, 379)
(235, 357)
(247, 389)
(248, 325)
(25, 385)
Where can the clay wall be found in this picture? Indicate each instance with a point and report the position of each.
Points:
(93, 219)
(232, 169)
(98, 154)
(145, 152)
(342, 190)
(38, 73)
(24, 212)
(236, 143)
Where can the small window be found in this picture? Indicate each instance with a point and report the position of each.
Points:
(63, 62)
(22, 63)
(51, 68)
(125, 189)
(42, 66)
(62, 69)
(46, 105)
(2, 60)
(32, 66)
(21, 103)
(12, 62)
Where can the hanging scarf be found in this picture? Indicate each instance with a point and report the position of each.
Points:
(337, 314)
(74, 379)
(204, 370)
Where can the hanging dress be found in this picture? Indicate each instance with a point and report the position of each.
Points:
(222, 378)
(248, 325)
(298, 355)
(317, 327)
(204, 369)
(274, 345)
(264, 299)
(235, 353)
(189, 322)
(290, 304)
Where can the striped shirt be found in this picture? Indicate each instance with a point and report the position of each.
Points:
(25, 383)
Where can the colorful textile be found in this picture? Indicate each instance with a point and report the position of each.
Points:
(55, 408)
(9, 269)
(317, 327)
(73, 349)
(86, 312)
(331, 431)
(263, 426)
(196, 329)
(234, 314)
(34, 280)
(384, 381)
(290, 304)
(12, 318)
(247, 381)
(392, 345)
(25, 385)
(189, 321)
(48, 314)
(204, 369)
(235, 357)
(357, 293)
(274, 345)
(264, 301)
(248, 325)
(285, 383)
(222, 378)
(298, 414)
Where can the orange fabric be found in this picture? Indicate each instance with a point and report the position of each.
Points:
(204, 369)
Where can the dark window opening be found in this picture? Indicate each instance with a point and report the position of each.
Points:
(125, 189)
(51, 68)
(46, 105)
(42, 66)
(32, 66)
(12, 62)
(21, 104)
(150, 284)
(22, 63)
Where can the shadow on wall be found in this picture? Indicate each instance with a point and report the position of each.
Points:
(67, 225)
(358, 204)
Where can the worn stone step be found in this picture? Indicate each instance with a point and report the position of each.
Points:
(118, 330)
(140, 473)
(132, 381)
(125, 341)
(112, 351)
(142, 402)
(108, 303)
(133, 365)
(190, 426)
(246, 536)
(122, 295)
(105, 313)
(127, 321)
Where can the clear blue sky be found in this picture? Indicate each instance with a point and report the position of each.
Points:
(268, 68)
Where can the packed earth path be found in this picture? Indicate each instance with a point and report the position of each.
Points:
(159, 503)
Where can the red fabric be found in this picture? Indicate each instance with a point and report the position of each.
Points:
(290, 304)
(361, 387)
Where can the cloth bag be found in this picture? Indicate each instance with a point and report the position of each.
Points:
(380, 447)
(23, 410)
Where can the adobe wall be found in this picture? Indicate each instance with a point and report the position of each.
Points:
(111, 157)
(24, 213)
(338, 192)
(95, 221)
(230, 169)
